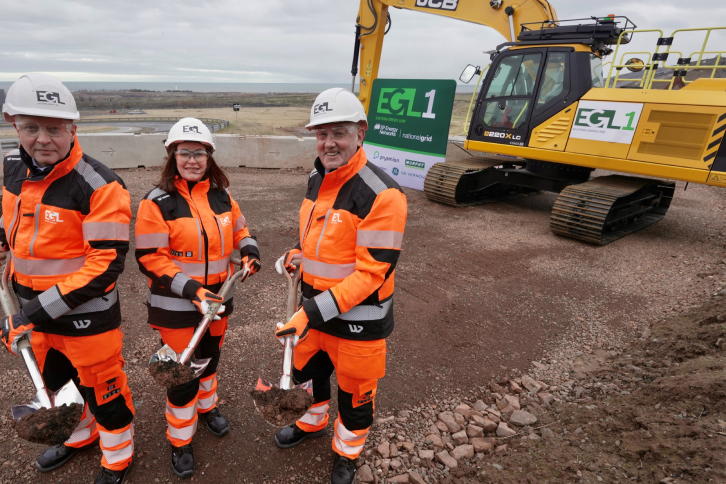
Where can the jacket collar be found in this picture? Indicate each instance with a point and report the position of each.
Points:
(345, 172)
(183, 186)
(59, 168)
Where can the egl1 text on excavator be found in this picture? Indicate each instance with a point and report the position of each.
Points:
(546, 116)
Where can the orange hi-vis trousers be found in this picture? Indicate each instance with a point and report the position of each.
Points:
(358, 366)
(199, 395)
(96, 365)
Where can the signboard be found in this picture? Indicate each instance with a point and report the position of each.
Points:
(606, 121)
(236, 107)
(408, 127)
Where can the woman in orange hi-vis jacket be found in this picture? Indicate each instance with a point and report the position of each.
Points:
(186, 229)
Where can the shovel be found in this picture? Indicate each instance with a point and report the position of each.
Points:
(182, 366)
(44, 398)
(286, 382)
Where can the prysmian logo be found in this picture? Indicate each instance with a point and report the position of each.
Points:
(390, 158)
(418, 165)
(48, 97)
(376, 155)
(191, 129)
(438, 4)
(321, 108)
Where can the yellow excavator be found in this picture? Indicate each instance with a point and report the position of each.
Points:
(546, 117)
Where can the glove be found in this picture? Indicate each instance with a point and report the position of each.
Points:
(203, 299)
(13, 328)
(297, 326)
(287, 259)
(253, 263)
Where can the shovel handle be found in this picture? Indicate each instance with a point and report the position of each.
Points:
(232, 277)
(293, 279)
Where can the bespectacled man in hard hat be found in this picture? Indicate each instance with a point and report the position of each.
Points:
(66, 223)
(351, 230)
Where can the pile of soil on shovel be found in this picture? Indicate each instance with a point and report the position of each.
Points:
(282, 407)
(50, 426)
(170, 374)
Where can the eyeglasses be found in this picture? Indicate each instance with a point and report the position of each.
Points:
(185, 155)
(33, 130)
(337, 133)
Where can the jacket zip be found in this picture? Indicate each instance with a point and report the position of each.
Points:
(206, 240)
(35, 232)
(307, 228)
(16, 222)
(221, 235)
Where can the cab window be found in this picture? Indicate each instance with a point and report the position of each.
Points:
(553, 82)
(508, 99)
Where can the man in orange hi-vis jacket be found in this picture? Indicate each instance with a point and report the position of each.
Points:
(66, 222)
(351, 230)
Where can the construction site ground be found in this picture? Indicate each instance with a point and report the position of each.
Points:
(482, 293)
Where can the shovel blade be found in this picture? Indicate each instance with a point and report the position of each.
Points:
(167, 354)
(67, 395)
(264, 385)
(20, 411)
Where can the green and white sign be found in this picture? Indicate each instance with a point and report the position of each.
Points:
(606, 121)
(408, 127)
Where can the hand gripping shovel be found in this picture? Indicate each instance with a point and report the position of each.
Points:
(42, 427)
(168, 367)
(266, 406)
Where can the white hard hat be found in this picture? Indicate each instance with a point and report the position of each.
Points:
(190, 129)
(40, 95)
(337, 105)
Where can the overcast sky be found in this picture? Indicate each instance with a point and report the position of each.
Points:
(271, 40)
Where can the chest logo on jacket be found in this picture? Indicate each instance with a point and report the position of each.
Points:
(354, 328)
(224, 221)
(336, 218)
(52, 217)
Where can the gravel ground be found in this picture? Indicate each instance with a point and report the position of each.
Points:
(482, 292)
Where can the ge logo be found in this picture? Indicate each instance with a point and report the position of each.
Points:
(48, 97)
(321, 108)
(394, 171)
(191, 129)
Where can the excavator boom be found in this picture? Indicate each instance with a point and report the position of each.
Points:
(504, 16)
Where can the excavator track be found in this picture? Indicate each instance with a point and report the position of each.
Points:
(451, 183)
(607, 208)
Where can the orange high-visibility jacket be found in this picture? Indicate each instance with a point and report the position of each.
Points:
(183, 242)
(351, 230)
(67, 228)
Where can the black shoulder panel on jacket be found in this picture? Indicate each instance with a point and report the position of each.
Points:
(219, 201)
(102, 170)
(314, 182)
(173, 206)
(359, 193)
(14, 172)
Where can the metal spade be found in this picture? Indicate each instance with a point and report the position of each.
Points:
(286, 382)
(44, 398)
(167, 354)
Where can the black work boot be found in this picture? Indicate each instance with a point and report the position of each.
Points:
(54, 457)
(290, 436)
(216, 422)
(107, 476)
(343, 470)
(182, 460)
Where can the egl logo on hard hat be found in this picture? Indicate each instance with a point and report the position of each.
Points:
(321, 108)
(191, 129)
(48, 97)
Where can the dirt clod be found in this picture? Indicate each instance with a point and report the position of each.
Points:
(282, 407)
(50, 426)
(170, 374)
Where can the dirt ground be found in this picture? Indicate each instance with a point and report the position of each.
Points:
(480, 292)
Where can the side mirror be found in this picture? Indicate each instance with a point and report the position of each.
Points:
(468, 74)
(634, 65)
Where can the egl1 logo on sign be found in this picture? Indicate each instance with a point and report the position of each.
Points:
(438, 4)
(606, 121)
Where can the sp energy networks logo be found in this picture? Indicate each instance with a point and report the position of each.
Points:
(438, 4)
(386, 130)
(416, 165)
(48, 97)
(606, 121)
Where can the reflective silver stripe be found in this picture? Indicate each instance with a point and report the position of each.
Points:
(48, 267)
(346, 434)
(35, 231)
(2, 223)
(156, 192)
(184, 433)
(221, 233)
(207, 385)
(325, 224)
(53, 302)
(207, 403)
(348, 442)
(81, 435)
(109, 439)
(120, 455)
(185, 413)
(152, 241)
(105, 231)
(12, 222)
(313, 173)
(247, 242)
(199, 237)
(379, 238)
(196, 269)
(95, 305)
(326, 305)
(372, 180)
(89, 174)
(323, 269)
(178, 282)
(240, 223)
(175, 304)
(315, 415)
(365, 312)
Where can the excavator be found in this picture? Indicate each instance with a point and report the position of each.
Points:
(546, 116)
